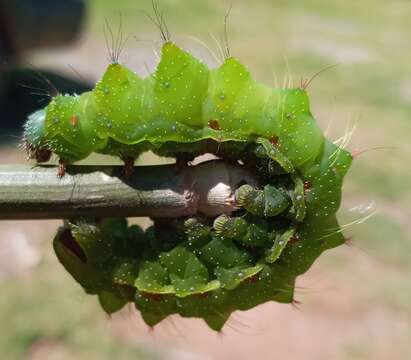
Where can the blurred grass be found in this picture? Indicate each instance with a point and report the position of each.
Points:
(371, 86)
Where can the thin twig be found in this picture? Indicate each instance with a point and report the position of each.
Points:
(155, 191)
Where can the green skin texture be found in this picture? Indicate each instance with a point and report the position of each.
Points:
(202, 271)
(125, 115)
(195, 270)
(202, 275)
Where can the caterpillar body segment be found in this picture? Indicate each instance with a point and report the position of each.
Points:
(182, 102)
(209, 279)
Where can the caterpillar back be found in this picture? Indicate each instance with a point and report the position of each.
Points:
(181, 102)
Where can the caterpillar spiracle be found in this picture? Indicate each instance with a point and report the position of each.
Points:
(198, 267)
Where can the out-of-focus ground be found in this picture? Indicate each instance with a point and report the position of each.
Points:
(356, 300)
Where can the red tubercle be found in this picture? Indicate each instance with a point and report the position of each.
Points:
(307, 186)
(274, 140)
(253, 279)
(294, 239)
(74, 120)
(213, 124)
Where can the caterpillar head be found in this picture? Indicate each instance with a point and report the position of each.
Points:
(34, 137)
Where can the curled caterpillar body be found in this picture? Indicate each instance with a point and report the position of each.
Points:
(199, 267)
(183, 101)
(192, 267)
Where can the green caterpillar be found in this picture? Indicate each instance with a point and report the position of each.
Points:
(198, 267)
(182, 103)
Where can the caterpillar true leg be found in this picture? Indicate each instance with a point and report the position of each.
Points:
(128, 166)
(62, 167)
(182, 160)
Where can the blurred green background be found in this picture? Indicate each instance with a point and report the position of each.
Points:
(356, 300)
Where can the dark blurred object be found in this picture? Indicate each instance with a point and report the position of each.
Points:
(25, 91)
(27, 25)
(31, 24)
